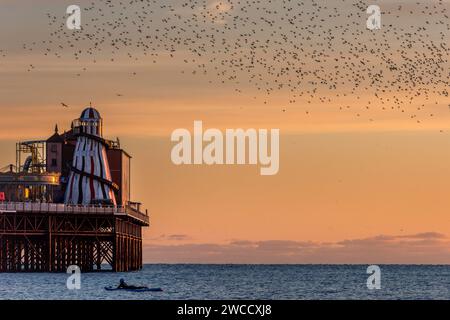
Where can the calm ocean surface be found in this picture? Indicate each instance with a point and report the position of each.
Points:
(240, 282)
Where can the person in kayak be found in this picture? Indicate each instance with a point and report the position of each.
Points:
(124, 285)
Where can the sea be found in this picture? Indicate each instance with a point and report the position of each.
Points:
(235, 282)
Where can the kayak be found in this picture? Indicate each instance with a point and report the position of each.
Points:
(134, 289)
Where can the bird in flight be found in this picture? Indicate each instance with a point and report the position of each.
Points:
(64, 105)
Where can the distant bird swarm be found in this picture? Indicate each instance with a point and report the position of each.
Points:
(308, 51)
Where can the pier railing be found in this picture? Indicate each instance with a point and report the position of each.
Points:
(37, 207)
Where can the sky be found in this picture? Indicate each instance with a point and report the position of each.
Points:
(355, 185)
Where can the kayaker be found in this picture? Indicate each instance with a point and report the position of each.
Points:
(124, 285)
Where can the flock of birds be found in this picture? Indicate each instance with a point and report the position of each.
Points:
(309, 52)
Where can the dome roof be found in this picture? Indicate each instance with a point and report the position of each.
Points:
(90, 114)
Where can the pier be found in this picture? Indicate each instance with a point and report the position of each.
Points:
(50, 237)
(64, 205)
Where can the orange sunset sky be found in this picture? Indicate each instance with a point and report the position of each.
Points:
(354, 185)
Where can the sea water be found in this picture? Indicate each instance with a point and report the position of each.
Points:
(239, 282)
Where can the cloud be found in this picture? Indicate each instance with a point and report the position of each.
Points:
(172, 237)
(425, 235)
(420, 248)
(178, 237)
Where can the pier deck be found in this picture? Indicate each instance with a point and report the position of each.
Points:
(50, 237)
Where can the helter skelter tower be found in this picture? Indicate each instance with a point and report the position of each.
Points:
(90, 177)
(43, 236)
